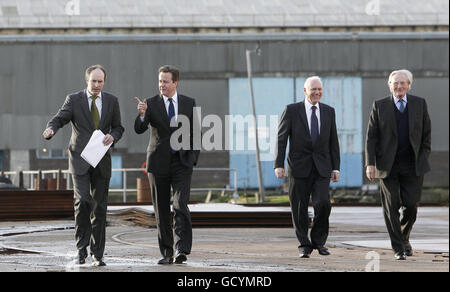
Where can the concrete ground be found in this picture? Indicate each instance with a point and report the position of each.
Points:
(358, 241)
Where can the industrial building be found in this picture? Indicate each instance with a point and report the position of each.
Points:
(353, 45)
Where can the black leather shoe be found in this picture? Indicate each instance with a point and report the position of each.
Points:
(305, 252)
(408, 251)
(81, 257)
(96, 262)
(180, 257)
(400, 256)
(323, 250)
(165, 261)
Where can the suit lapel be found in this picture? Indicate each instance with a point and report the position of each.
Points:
(324, 117)
(302, 113)
(106, 103)
(412, 109)
(390, 114)
(182, 109)
(85, 108)
(162, 110)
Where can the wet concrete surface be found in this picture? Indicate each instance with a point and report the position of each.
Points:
(358, 241)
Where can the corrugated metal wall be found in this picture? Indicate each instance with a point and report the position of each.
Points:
(35, 77)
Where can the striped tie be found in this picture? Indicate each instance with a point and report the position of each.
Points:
(402, 105)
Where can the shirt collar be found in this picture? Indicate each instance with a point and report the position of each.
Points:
(174, 98)
(405, 98)
(89, 94)
(309, 105)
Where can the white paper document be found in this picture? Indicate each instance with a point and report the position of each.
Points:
(95, 149)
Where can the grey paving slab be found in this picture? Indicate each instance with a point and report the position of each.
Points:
(357, 236)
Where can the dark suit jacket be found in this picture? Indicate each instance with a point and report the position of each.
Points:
(158, 150)
(382, 137)
(302, 154)
(76, 110)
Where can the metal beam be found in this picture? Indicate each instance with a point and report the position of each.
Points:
(304, 36)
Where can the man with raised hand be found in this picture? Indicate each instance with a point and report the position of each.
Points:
(168, 165)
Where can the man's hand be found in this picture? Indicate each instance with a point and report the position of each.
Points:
(370, 172)
(108, 140)
(279, 172)
(48, 133)
(335, 176)
(142, 106)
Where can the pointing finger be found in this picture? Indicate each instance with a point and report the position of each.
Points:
(137, 99)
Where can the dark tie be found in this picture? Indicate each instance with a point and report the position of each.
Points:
(171, 115)
(171, 110)
(314, 125)
(94, 113)
(402, 105)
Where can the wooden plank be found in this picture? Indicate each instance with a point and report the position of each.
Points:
(35, 205)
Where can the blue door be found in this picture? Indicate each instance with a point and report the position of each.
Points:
(271, 96)
(116, 177)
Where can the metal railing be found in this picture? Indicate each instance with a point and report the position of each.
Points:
(18, 177)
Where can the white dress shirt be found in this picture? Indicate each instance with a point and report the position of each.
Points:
(397, 101)
(98, 102)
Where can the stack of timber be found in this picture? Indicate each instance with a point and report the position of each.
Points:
(210, 219)
(18, 205)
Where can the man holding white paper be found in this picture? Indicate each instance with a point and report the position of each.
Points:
(95, 148)
(89, 110)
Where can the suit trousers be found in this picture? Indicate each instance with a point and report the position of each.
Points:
(179, 179)
(400, 190)
(90, 206)
(300, 191)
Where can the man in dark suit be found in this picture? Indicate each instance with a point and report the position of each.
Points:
(89, 110)
(398, 144)
(313, 158)
(168, 165)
